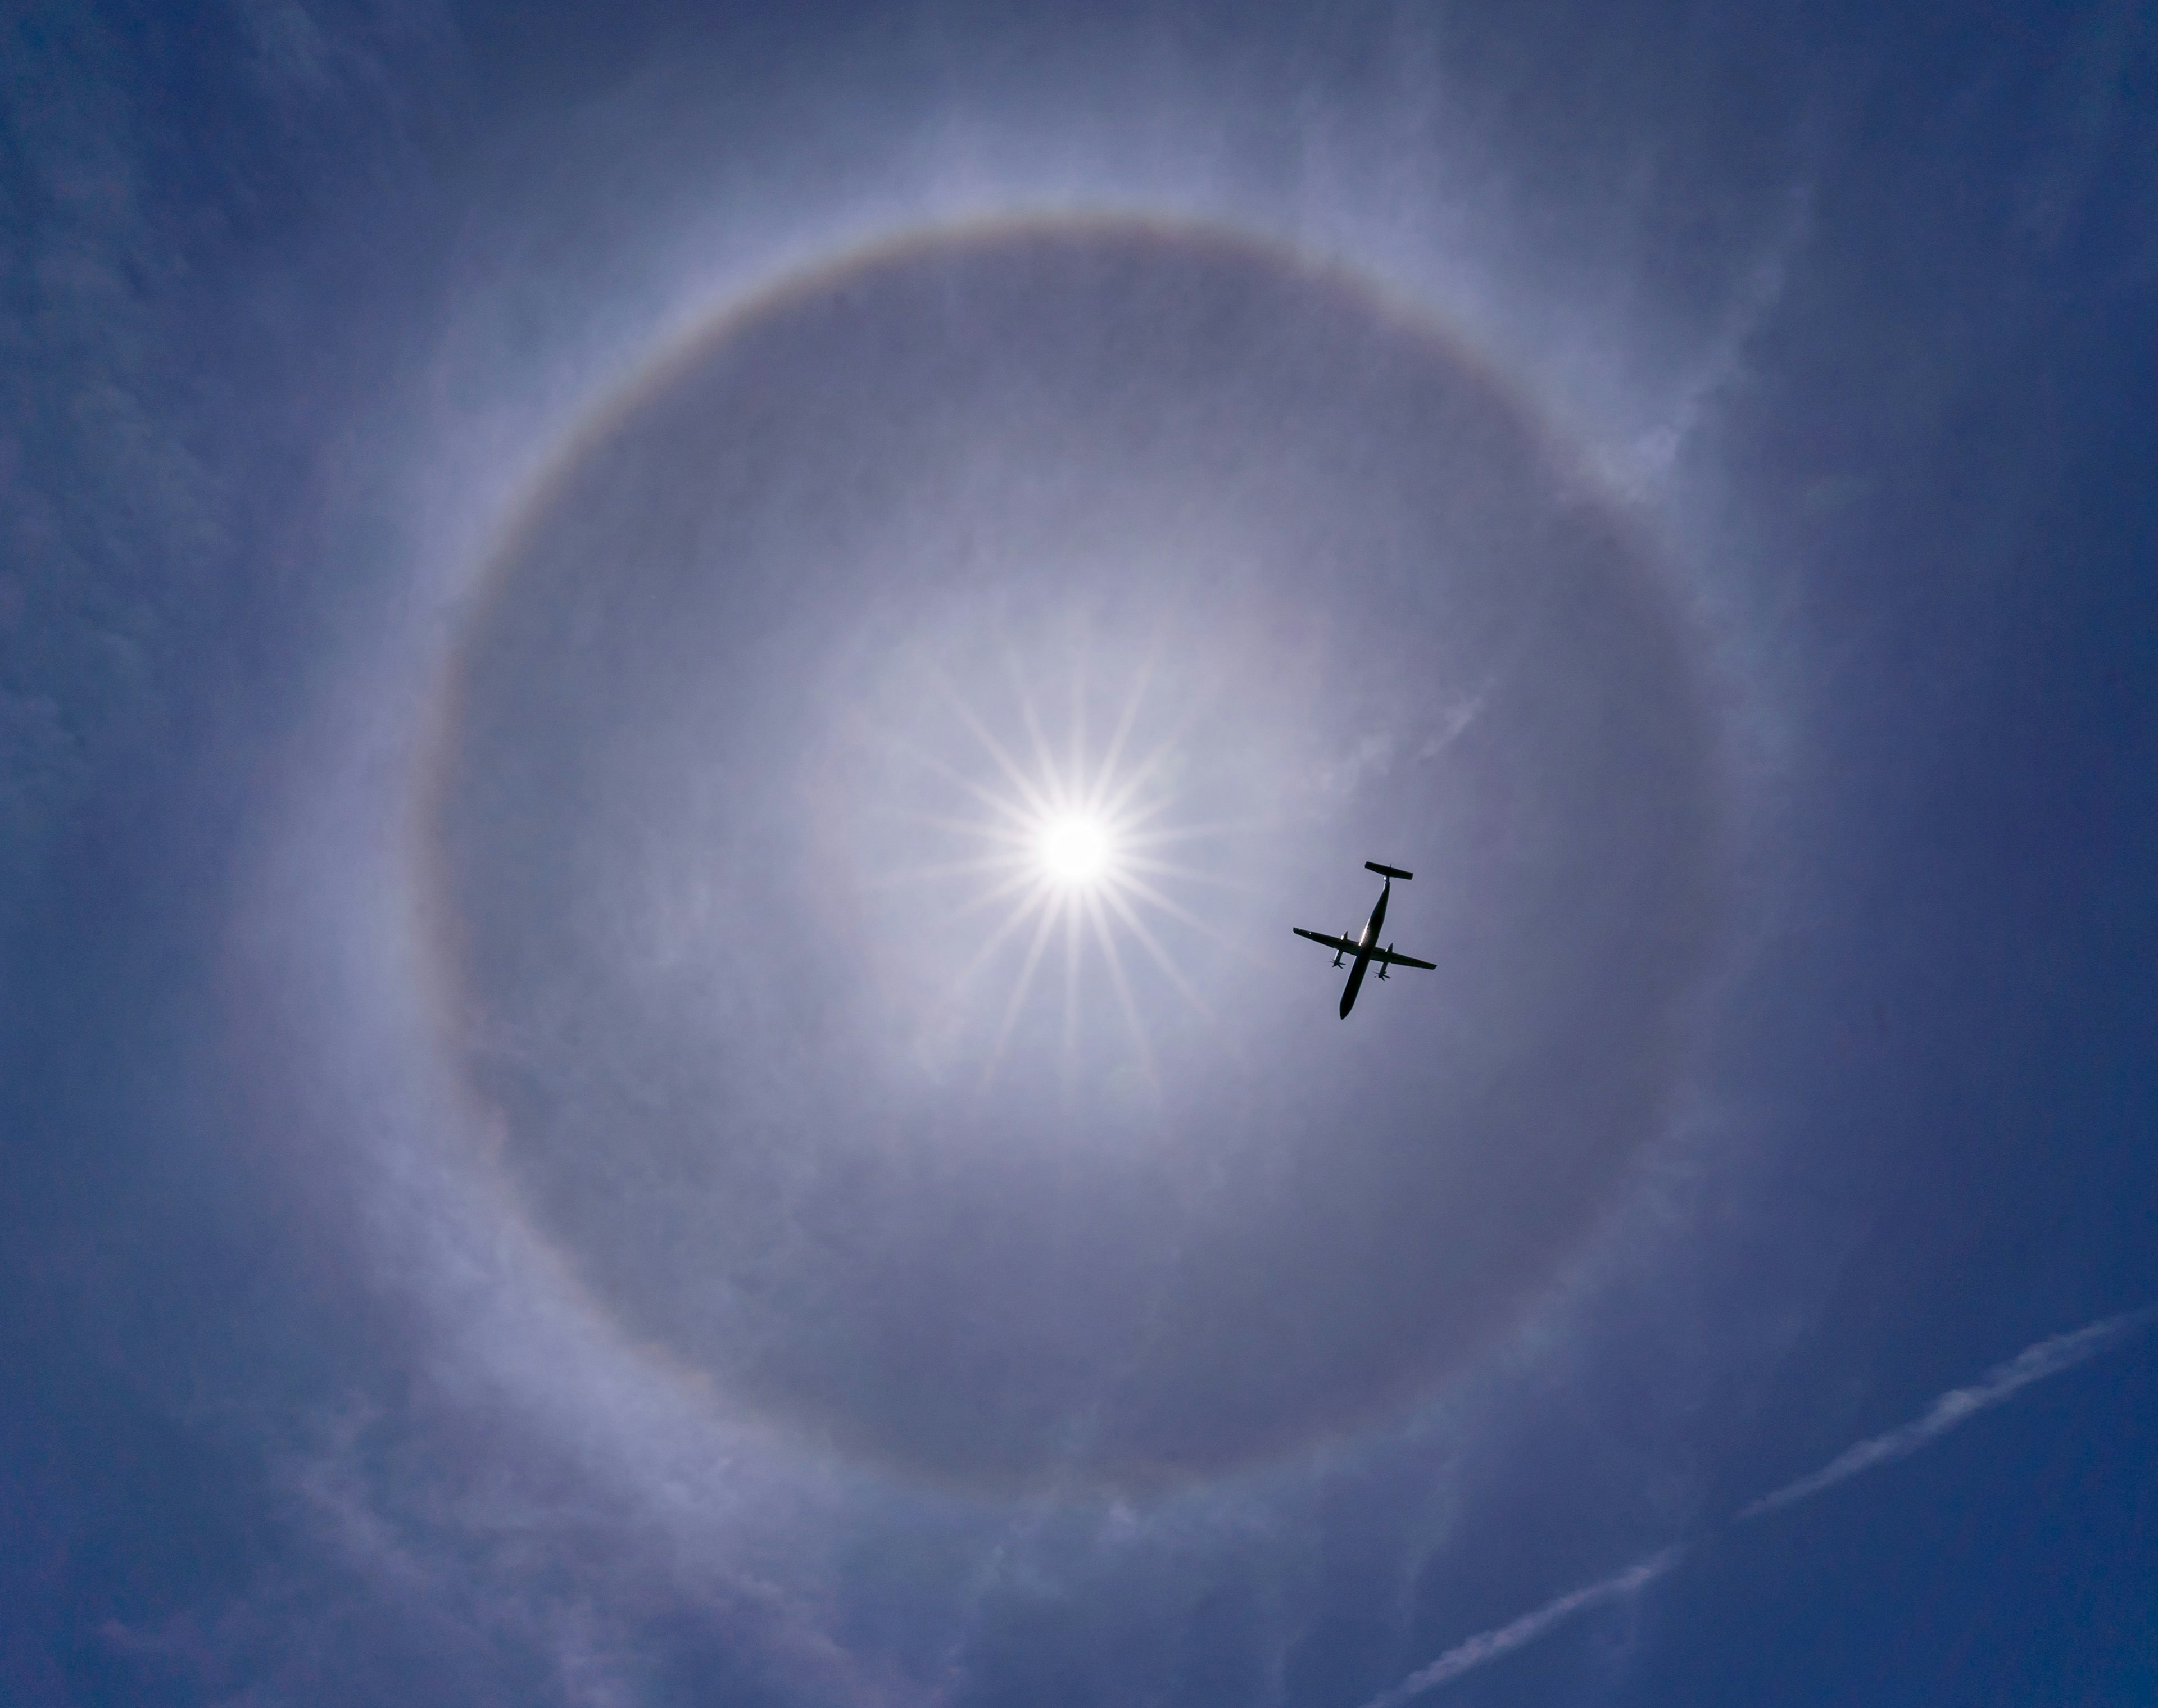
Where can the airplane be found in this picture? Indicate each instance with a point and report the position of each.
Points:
(1365, 948)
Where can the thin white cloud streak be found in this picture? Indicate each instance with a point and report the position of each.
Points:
(1487, 1646)
(1639, 468)
(2034, 1364)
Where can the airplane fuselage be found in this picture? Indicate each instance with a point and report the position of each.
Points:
(1365, 947)
(1364, 944)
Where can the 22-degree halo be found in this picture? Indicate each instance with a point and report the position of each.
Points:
(796, 1058)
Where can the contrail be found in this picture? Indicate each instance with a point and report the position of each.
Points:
(1487, 1646)
(2034, 1364)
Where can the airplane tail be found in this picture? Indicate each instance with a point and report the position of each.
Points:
(1388, 871)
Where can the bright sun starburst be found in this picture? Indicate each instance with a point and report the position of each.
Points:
(1067, 848)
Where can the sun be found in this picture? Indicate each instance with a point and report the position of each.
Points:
(1075, 850)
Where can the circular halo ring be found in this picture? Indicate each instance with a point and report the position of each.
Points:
(446, 936)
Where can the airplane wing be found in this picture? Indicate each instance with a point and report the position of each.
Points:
(1393, 960)
(1342, 943)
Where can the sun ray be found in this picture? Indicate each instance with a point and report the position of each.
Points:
(1112, 755)
(1037, 892)
(1130, 837)
(1019, 991)
(1000, 804)
(1019, 780)
(1162, 958)
(989, 945)
(1169, 869)
(1122, 805)
(1171, 739)
(1053, 784)
(1184, 915)
(1071, 1064)
(1013, 836)
(1107, 938)
(1076, 760)
(909, 876)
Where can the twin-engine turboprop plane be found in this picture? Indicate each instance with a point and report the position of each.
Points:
(1365, 948)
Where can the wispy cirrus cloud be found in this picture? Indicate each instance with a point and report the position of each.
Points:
(2034, 1364)
(1487, 1646)
(2050, 1357)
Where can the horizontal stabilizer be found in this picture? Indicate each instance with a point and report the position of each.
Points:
(1387, 871)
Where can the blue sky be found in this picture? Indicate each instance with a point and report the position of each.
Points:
(558, 1143)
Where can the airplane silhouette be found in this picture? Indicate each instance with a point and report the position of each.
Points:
(1365, 948)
